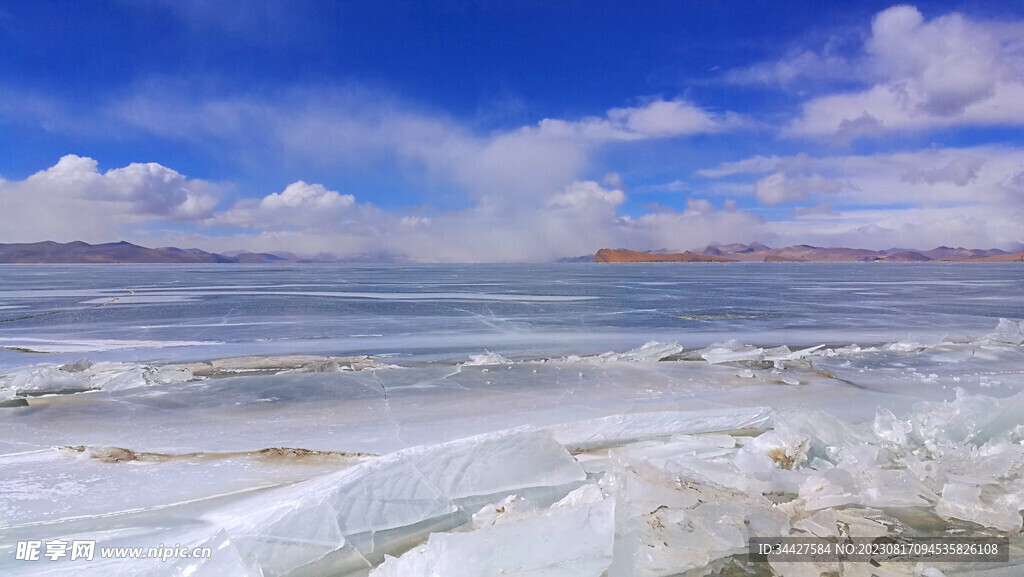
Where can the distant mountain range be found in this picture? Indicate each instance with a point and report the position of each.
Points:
(122, 252)
(757, 252)
(126, 252)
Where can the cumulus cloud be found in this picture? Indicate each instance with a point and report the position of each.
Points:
(308, 195)
(72, 200)
(580, 195)
(918, 74)
(300, 207)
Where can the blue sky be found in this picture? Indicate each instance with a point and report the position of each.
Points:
(495, 131)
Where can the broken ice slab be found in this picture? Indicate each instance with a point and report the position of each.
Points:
(486, 359)
(83, 375)
(511, 508)
(51, 485)
(666, 525)
(46, 380)
(934, 371)
(730, 352)
(310, 523)
(567, 540)
(987, 506)
(386, 409)
(650, 351)
(277, 364)
(1008, 331)
(619, 429)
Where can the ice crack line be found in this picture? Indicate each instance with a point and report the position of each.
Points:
(387, 407)
(47, 313)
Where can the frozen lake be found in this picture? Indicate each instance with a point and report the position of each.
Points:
(183, 312)
(569, 419)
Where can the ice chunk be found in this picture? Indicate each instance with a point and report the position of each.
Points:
(788, 450)
(651, 351)
(965, 501)
(823, 523)
(510, 508)
(730, 352)
(706, 459)
(666, 525)
(485, 359)
(821, 493)
(1008, 331)
(83, 376)
(44, 380)
(589, 493)
(566, 541)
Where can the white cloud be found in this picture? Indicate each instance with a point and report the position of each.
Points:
(299, 207)
(579, 219)
(581, 195)
(797, 66)
(655, 119)
(363, 129)
(982, 226)
(942, 175)
(925, 74)
(72, 200)
(970, 197)
(314, 196)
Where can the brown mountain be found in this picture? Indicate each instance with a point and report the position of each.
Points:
(757, 252)
(1005, 257)
(623, 255)
(946, 253)
(114, 252)
(256, 257)
(905, 256)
